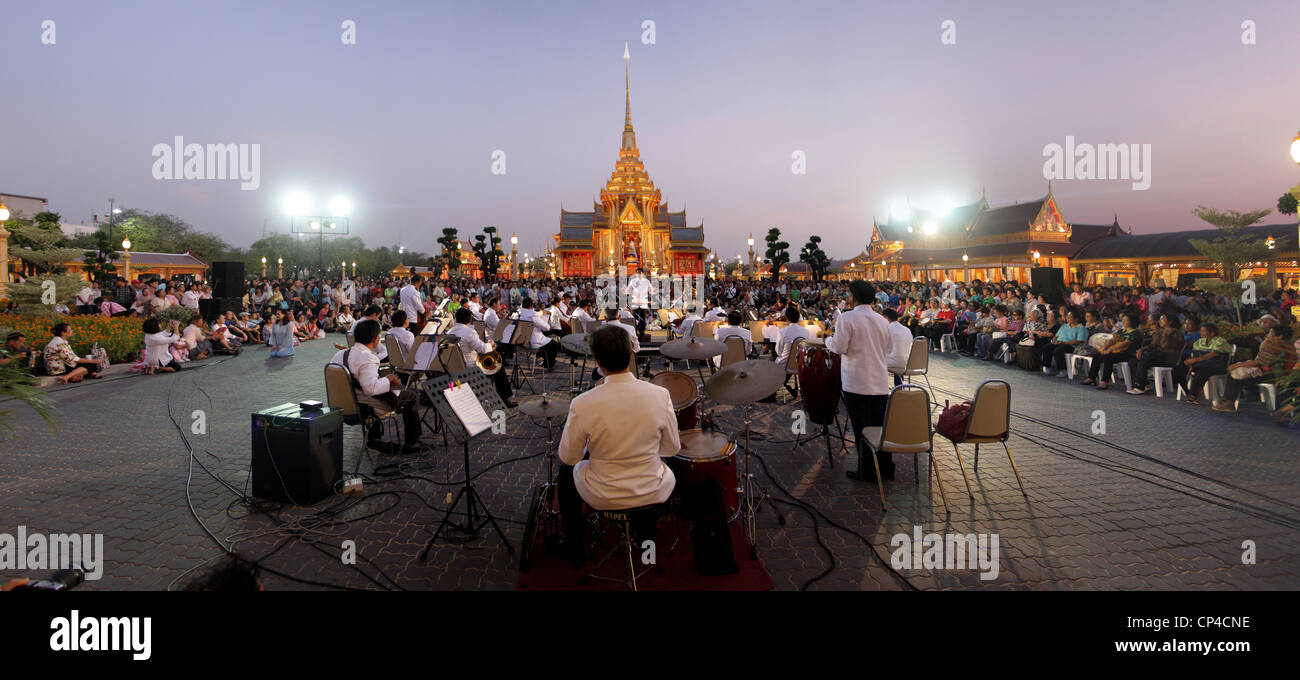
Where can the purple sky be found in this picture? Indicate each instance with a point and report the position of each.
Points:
(404, 122)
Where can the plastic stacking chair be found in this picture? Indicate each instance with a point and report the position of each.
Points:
(918, 364)
(989, 422)
(907, 429)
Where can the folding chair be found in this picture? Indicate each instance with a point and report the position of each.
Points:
(340, 393)
(906, 430)
(918, 363)
(989, 422)
(735, 351)
(704, 329)
(522, 336)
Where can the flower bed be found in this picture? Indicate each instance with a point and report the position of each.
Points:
(121, 337)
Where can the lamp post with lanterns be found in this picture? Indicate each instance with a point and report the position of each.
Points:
(126, 258)
(4, 246)
(753, 272)
(354, 270)
(514, 255)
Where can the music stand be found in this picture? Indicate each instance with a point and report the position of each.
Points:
(477, 514)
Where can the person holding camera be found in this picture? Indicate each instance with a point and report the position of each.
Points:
(158, 344)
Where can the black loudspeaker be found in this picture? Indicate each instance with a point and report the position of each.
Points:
(211, 307)
(227, 279)
(297, 453)
(1048, 282)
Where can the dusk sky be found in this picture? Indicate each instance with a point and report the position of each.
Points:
(404, 122)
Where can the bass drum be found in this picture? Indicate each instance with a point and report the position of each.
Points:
(685, 395)
(708, 457)
(819, 381)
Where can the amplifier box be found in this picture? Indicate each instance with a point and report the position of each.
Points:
(297, 453)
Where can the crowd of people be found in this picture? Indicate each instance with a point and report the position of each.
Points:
(1143, 327)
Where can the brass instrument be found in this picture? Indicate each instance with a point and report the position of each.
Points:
(489, 363)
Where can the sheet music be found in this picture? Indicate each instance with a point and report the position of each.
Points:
(430, 328)
(468, 409)
(424, 356)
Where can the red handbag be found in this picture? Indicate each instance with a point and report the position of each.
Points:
(952, 421)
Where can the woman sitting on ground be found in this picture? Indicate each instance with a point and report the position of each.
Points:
(282, 334)
(1210, 356)
(1275, 359)
(1119, 348)
(61, 361)
(158, 344)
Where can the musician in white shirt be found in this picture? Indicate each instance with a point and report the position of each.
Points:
(471, 347)
(715, 314)
(549, 347)
(410, 299)
(689, 322)
(405, 338)
(785, 337)
(475, 309)
(582, 316)
(900, 348)
(374, 392)
(862, 340)
(625, 467)
(733, 329)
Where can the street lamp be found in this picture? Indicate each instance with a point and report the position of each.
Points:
(514, 255)
(263, 266)
(126, 258)
(4, 246)
(1295, 155)
(753, 275)
(354, 270)
(279, 267)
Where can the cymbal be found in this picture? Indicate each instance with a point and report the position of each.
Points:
(575, 342)
(745, 382)
(546, 407)
(692, 348)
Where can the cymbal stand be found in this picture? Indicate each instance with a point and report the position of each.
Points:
(751, 489)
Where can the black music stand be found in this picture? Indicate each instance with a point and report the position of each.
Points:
(477, 514)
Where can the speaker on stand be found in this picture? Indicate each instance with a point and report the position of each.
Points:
(227, 279)
(1048, 282)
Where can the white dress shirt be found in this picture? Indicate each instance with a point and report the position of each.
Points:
(470, 344)
(364, 366)
(862, 340)
(688, 323)
(476, 310)
(721, 333)
(899, 349)
(631, 333)
(410, 300)
(715, 314)
(539, 324)
(625, 469)
(785, 340)
(405, 338)
(490, 320)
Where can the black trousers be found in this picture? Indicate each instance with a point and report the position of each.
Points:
(1150, 359)
(501, 381)
(1194, 378)
(410, 422)
(868, 410)
(549, 350)
(1101, 366)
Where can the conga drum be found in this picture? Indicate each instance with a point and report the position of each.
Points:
(708, 456)
(685, 396)
(819, 380)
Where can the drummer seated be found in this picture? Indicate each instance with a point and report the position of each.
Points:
(624, 451)
(733, 329)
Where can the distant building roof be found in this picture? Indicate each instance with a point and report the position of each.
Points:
(142, 258)
(1175, 243)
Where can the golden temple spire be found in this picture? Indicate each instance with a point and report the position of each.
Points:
(627, 83)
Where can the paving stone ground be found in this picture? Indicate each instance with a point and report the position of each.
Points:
(1164, 499)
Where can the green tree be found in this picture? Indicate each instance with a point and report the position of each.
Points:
(164, 233)
(39, 243)
(778, 252)
(812, 255)
(487, 246)
(1286, 204)
(450, 249)
(1233, 249)
(99, 260)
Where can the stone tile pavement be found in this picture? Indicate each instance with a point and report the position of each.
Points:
(1164, 499)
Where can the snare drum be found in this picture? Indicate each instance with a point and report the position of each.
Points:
(708, 456)
(685, 396)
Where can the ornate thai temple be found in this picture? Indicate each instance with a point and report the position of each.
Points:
(630, 227)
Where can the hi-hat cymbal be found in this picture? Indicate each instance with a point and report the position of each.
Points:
(546, 407)
(575, 342)
(745, 382)
(692, 348)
